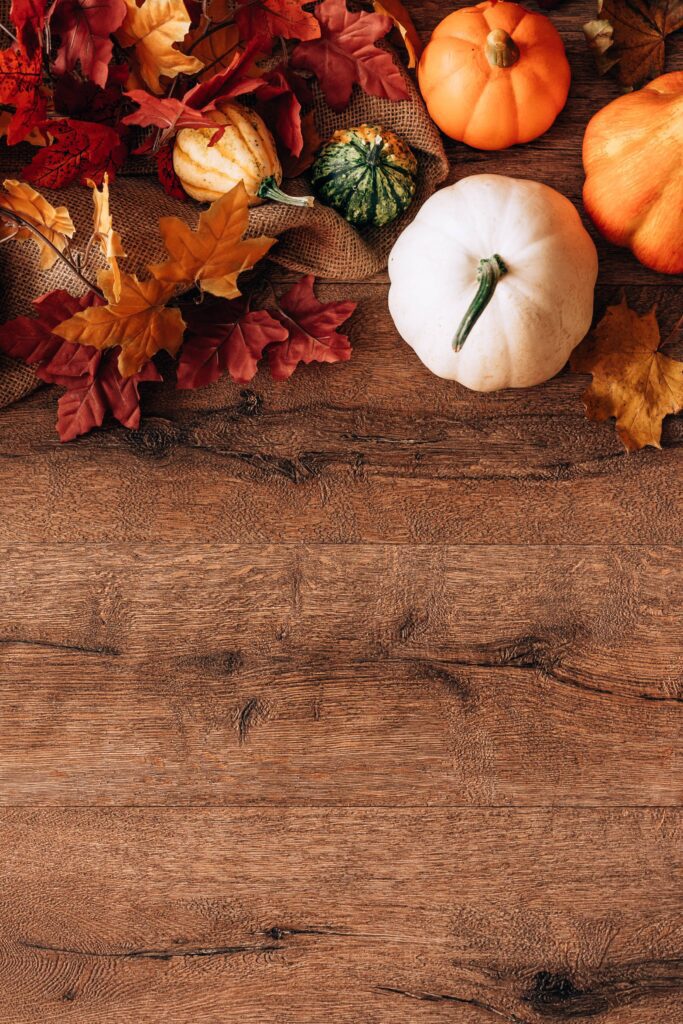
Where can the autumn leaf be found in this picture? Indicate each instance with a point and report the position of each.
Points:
(236, 79)
(20, 87)
(169, 114)
(395, 10)
(170, 181)
(80, 150)
(630, 35)
(311, 329)
(632, 380)
(84, 29)
(93, 396)
(28, 17)
(108, 240)
(214, 43)
(215, 254)
(265, 20)
(345, 54)
(85, 101)
(154, 29)
(138, 322)
(225, 337)
(53, 223)
(293, 167)
(30, 339)
(281, 95)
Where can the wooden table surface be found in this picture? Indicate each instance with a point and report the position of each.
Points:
(351, 700)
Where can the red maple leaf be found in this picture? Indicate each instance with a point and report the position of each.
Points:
(264, 20)
(80, 150)
(346, 54)
(84, 29)
(311, 329)
(225, 337)
(28, 17)
(87, 101)
(169, 114)
(20, 87)
(282, 95)
(233, 81)
(94, 387)
(167, 175)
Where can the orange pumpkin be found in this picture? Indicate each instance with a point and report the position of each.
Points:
(494, 75)
(633, 158)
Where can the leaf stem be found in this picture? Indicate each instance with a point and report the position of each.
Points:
(16, 218)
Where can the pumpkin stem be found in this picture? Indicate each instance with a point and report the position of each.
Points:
(270, 190)
(501, 49)
(489, 274)
(375, 150)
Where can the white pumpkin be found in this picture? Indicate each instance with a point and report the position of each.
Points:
(493, 282)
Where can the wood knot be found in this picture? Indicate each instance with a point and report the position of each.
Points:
(250, 404)
(155, 439)
(556, 995)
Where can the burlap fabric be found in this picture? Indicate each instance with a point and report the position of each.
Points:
(315, 240)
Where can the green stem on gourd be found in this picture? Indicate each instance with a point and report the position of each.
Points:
(489, 274)
(375, 150)
(270, 190)
(501, 49)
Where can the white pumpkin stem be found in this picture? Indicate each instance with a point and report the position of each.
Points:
(271, 190)
(501, 49)
(489, 274)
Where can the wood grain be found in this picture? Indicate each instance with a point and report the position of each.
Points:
(341, 675)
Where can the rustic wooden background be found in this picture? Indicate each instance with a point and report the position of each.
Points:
(352, 700)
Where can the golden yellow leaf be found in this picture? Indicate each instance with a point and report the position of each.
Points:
(54, 223)
(395, 10)
(214, 43)
(139, 322)
(154, 29)
(108, 240)
(215, 254)
(632, 380)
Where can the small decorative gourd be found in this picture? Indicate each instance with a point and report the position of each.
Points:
(633, 157)
(493, 282)
(494, 75)
(244, 152)
(368, 174)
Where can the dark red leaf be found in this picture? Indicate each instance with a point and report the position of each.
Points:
(346, 54)
(281, 96)
(28, 17)
(88, 401)
(20, 87)
(167, 175)
(80, 150)
(84, 29)
(87, 101)
(30, 339)
(168, 114)
(264, 20)
(228, 84)
(224, 337)
(311, 328)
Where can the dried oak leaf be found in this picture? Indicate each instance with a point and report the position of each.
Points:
(28, 17)
(154, 29)
(225, 337)
(395, 10)
(632, 380)
(138, 322)
(265, 20)
(346, 54)
(215, 254)
(108, 240)
(80, 150)
(21, 80)
(84, 29)
(311, 330)
(630, 35)
(53, 223)
(94, 387)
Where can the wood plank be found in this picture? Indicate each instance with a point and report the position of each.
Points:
(340, 675)
(297, 915)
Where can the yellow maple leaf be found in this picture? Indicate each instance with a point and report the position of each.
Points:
(154, 29)
(215, 254)
(108, 240)
(395, 10)
(632, 381)
(138, 321)
(214, 43)
(53, 223)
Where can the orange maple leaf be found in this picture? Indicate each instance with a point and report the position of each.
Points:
(215, 254)
(108, 240)
(632, 380)
(154, 29)
(395, 10)
(138, 321)
(54, 224)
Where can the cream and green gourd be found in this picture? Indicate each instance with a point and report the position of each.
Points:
(368, 174)
(493, 282)
(245, 152)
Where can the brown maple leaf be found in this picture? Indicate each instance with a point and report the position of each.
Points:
(215, 42)
(104, 235)
(53, 224)
(215, 254)
(154, 29)
(138, 322)
(630, 35)
(294, 166)
(632, 381)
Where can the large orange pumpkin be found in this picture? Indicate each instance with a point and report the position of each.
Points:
(633, 158)
(494, 75)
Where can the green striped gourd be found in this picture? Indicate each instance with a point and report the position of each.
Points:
(368, 174)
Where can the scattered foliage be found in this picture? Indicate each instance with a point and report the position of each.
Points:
(629, 36)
